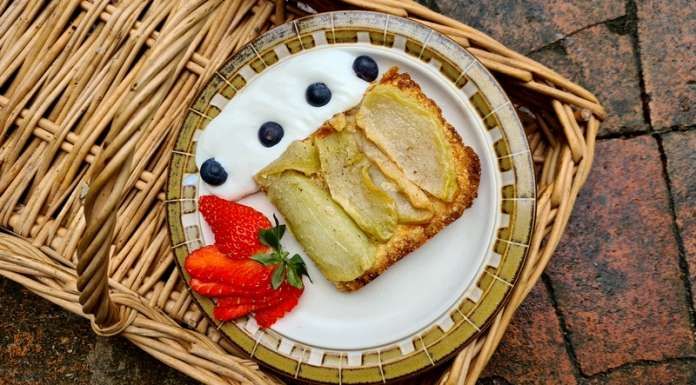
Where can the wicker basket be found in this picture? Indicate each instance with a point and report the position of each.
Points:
(92, 93)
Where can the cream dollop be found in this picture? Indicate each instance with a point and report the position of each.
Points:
(277, 95)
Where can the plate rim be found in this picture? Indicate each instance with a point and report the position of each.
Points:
(409, 28)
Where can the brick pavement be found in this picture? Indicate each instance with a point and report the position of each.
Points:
(616, 276)
(616, 306)
(622, 281)
(614, 78)
(42, 344)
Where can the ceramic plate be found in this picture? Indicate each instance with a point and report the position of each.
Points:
(436, 299)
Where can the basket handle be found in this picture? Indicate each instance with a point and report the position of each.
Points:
(110, 172)
(100, 207)
(112, 167)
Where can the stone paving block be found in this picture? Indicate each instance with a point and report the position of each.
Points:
(495, 380)
(41, 343)
(670, 373)
(531, 24)
(616, 273)
(680, 150)
(604, 62)
(532, 341)
(667, 38)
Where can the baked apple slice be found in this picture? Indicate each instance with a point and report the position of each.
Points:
(373, 183)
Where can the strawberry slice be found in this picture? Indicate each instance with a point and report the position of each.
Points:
(214, 289)
(208, 264)
(267, 309)
(268, 316)
(228, 313)
(236, 227)
(260, 301)
(246, 271)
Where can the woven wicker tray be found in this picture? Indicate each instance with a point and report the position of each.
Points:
(91, 97)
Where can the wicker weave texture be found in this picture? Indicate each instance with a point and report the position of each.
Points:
(91, 96)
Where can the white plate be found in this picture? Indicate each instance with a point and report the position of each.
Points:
(426, 306)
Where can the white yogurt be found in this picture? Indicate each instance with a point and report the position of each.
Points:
(279, 96)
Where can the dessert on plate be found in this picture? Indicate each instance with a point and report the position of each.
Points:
(373, 183)
(362, 170)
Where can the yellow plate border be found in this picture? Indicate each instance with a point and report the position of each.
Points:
(472, 314)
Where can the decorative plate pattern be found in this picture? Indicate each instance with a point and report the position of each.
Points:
(514, 176)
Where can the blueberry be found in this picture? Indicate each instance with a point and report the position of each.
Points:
(270, 134)
(366, 68)
(318, 94)
(213, 173)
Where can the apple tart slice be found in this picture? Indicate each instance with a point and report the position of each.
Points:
(373, 183)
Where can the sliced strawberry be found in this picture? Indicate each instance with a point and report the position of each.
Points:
(208, 264)
(235, 226)
(214, 289)
(260, 301)
(268, 316)
(228, 313)
(240, 284)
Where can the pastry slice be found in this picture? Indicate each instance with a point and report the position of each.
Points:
(373, 183)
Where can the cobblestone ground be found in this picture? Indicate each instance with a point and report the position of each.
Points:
(616, 305)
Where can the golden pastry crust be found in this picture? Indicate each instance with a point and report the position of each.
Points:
(409, 237)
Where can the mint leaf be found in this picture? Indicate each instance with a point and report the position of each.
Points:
(266, 259)
(299, 266)
(296, 260)
(278, 276)
(279, 231)
(269, 238)
(294, 279)
(290, 269)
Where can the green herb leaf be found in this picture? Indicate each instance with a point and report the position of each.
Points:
(278, 276)
(294, 279)
(298, 264)
(290, 269)
(279, 231)
(267, 259)
(269, 238)
(296, 260)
